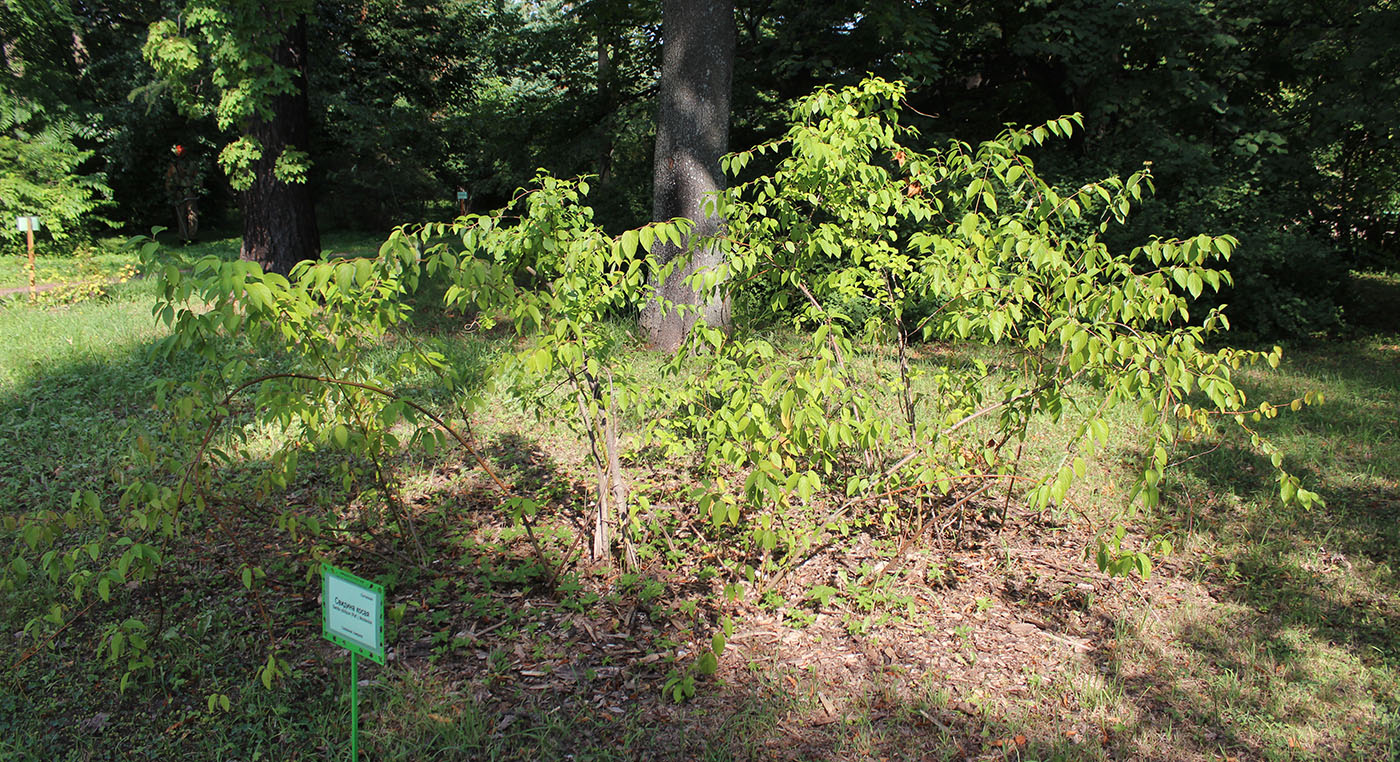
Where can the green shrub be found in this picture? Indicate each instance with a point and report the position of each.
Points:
(41, 174)
(864, 239)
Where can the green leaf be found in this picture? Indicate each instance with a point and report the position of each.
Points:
(345, 276)
(822, 594)
(259, 294)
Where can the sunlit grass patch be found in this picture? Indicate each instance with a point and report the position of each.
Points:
(1229, 679)
(1269, 633)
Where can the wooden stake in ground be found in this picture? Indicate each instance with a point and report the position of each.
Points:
(29, 225)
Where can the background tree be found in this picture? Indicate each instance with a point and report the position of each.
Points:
(692, 134)
(1271, 120)
(44, 164)
(392, 86)
(411, 100)
(1227, 101)
(254, 54)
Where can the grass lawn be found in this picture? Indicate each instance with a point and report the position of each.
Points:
(1269, 634)
(108, 259)
(102, 264)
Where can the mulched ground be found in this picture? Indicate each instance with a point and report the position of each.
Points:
(988, 641)
(972, 639)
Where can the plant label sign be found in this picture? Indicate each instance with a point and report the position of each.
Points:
(30, 224)
(352, 613)
(461, 195)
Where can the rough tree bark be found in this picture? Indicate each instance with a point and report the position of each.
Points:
(692, 133)
(279, 218)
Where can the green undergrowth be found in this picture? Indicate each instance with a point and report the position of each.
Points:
(102, 265)
(109, 259)
(1294, 655)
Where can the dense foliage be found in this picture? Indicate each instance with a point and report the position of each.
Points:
(44, 162)
(40, 175)
(787, 447)
(1269, 120)
(217, 62)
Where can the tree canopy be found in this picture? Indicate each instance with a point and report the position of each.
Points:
(1270, 120)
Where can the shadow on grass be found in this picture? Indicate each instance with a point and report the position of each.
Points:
(1333, 567)
(1296, 654)
(79, 389)
(489, 662)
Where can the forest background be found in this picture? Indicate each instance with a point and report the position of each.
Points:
(1268, 120)
(811, 537)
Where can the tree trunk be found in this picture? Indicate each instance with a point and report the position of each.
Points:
(279, 218)
(692, 133)
(605, 109)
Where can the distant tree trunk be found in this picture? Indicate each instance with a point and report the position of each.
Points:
(605, 108)
(692, 133)
(279, 218)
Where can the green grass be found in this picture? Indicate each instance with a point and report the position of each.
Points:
(104, 264)
(1272, 633)
(71, 380)
(1304, 649)
(108, 258)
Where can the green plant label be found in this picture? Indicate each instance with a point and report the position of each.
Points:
(27, 223)
(461, 195)
(352, 613)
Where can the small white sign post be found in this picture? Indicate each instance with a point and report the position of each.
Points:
(29, 224)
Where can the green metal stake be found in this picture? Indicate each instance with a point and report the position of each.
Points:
(354, 708)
